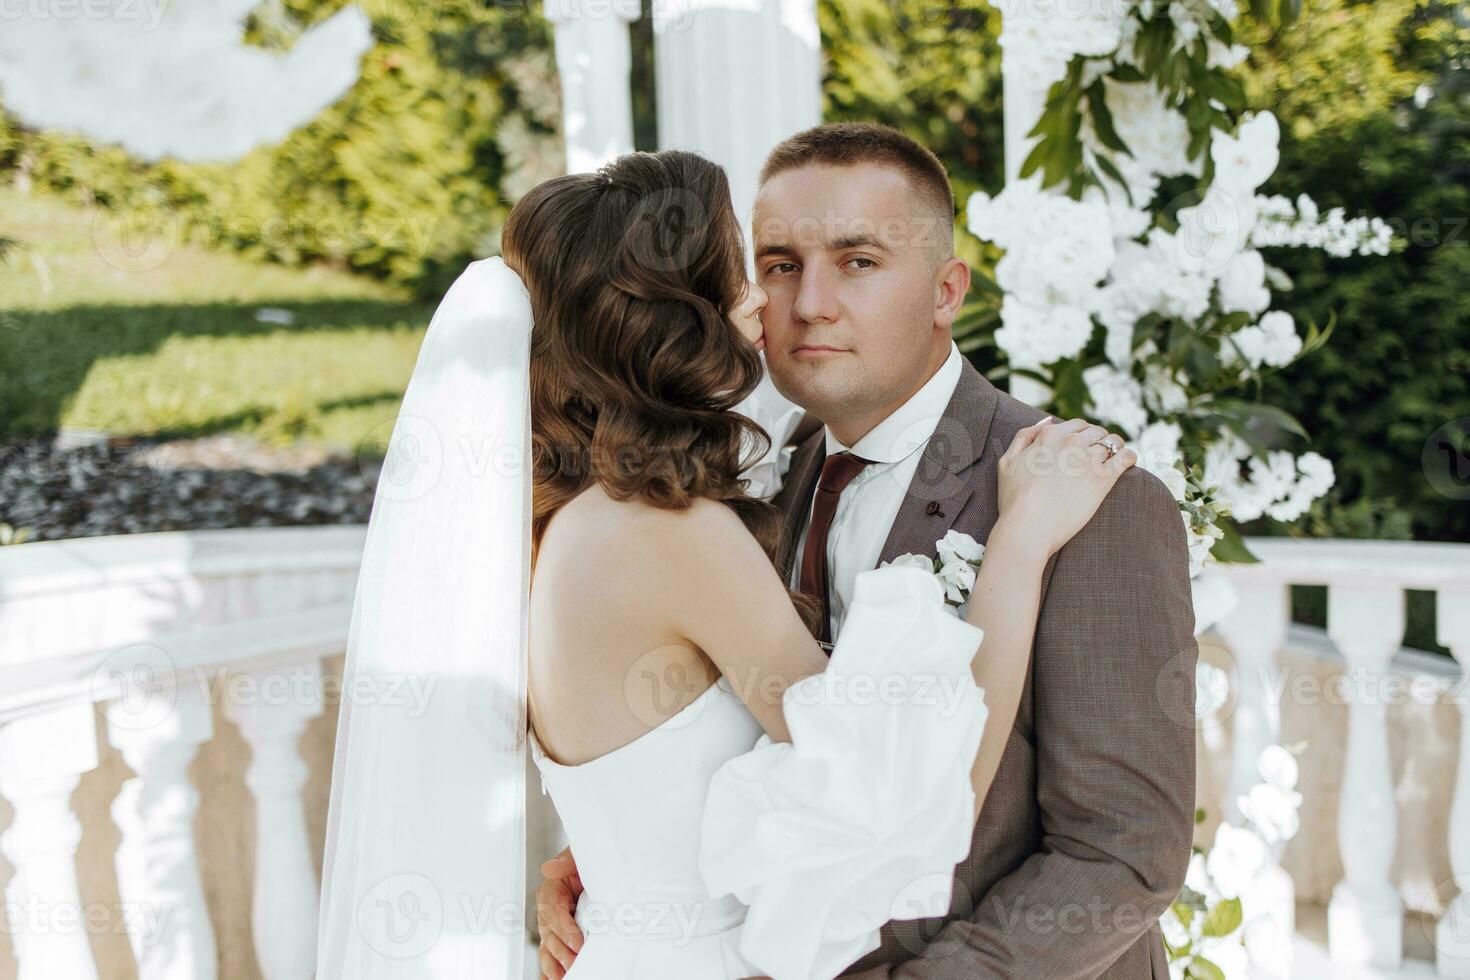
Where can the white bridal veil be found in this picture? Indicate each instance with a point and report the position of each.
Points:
(424, 869)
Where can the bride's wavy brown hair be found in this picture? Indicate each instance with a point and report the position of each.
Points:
(633, 272)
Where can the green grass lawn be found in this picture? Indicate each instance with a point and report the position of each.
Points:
(138, 336)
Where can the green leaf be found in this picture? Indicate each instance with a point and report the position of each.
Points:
(1223, 919)
(1232, 547)
(1038, 153)
(1202, 969)
(1257, 423)
(1316, 338)
(1102, 119)
(1069, 390)
(1109, 168)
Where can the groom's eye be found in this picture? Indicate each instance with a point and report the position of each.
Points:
(780, 268)
(871, 264)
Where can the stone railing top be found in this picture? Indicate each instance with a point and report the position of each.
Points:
(78, 564)
(1432, 565)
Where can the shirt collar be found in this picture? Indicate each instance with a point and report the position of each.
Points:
(912, 423)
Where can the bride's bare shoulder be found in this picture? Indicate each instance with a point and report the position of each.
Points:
(593, 521)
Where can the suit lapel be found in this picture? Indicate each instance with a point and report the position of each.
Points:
(936, 494)
(939, 491)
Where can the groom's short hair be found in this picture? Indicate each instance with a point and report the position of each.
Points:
(846, 144)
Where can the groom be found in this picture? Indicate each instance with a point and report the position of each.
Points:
(1085, 833)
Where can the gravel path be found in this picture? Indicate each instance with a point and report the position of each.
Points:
(81, 484)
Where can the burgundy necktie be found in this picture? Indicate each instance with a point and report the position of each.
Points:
(837, 472)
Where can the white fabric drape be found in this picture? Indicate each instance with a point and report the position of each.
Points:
(424, 869)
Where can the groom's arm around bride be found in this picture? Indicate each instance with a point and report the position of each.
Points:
(1085, 836)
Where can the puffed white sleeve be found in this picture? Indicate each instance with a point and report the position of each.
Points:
(863, 815)
(769, 409)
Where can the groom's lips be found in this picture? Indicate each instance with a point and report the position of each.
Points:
(816, 350)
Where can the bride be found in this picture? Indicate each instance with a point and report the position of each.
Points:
(563, 554)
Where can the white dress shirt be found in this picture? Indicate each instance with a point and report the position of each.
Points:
(868, 506)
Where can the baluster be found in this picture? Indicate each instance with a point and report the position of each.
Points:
(1256, 631)
(157, 865)
(1365, 918)
(42, 758)
(1452, 936)
(284, 904)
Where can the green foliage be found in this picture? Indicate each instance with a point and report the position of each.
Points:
(1398, 367)
(932, 69)
(1209, 97)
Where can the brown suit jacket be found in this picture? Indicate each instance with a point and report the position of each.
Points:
(1085, 834)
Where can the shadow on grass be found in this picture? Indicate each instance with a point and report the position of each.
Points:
(45, 355)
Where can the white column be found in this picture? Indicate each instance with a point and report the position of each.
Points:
(594, 59)
(1365, 919)
(42, 758)
(1452, 937)
(272, 713)
(157, 864)
(1024, 101)
(734, 78)
(1256, 630)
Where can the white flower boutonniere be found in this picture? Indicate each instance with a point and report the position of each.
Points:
(959, 558)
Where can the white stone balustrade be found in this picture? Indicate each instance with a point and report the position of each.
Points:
(155, 629)
(1366, 583)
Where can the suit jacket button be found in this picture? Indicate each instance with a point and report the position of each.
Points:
(932, 508)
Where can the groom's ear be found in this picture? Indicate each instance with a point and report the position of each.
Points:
(950, 290)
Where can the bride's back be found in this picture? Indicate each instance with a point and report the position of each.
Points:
(639, 350)
(607, 664)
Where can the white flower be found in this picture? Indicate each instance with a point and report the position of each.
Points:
(1211, 232)
(1174, 932)
(1230, 955)
(1272, 340)
(1156, 133)
(1272, 811)
(1143, 280)
(1057, 249)
(1278, 767)
(958, 578)
(1157, 447)
(1244, 161)
(911, 560)
(1162, 392)
(1211, 683)
(1243, 284)
(1214, 598)
(1237, 856)
(1220, 56)
(1197, 878)
(1033, 336)
(959, 546)
(1116, 397)
(1042, 43)
(1200, 541)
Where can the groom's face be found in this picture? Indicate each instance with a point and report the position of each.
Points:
(851, 259)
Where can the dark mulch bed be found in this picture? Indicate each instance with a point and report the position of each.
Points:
(75, 485)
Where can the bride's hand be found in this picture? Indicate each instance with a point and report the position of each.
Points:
(1053, 478)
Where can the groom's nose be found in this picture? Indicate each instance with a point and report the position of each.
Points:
(816, 298)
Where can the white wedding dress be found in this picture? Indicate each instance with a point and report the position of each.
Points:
(709, 852)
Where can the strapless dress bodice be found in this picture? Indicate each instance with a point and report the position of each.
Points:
(709, 852)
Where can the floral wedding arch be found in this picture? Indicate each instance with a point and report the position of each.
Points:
(1148, 314)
